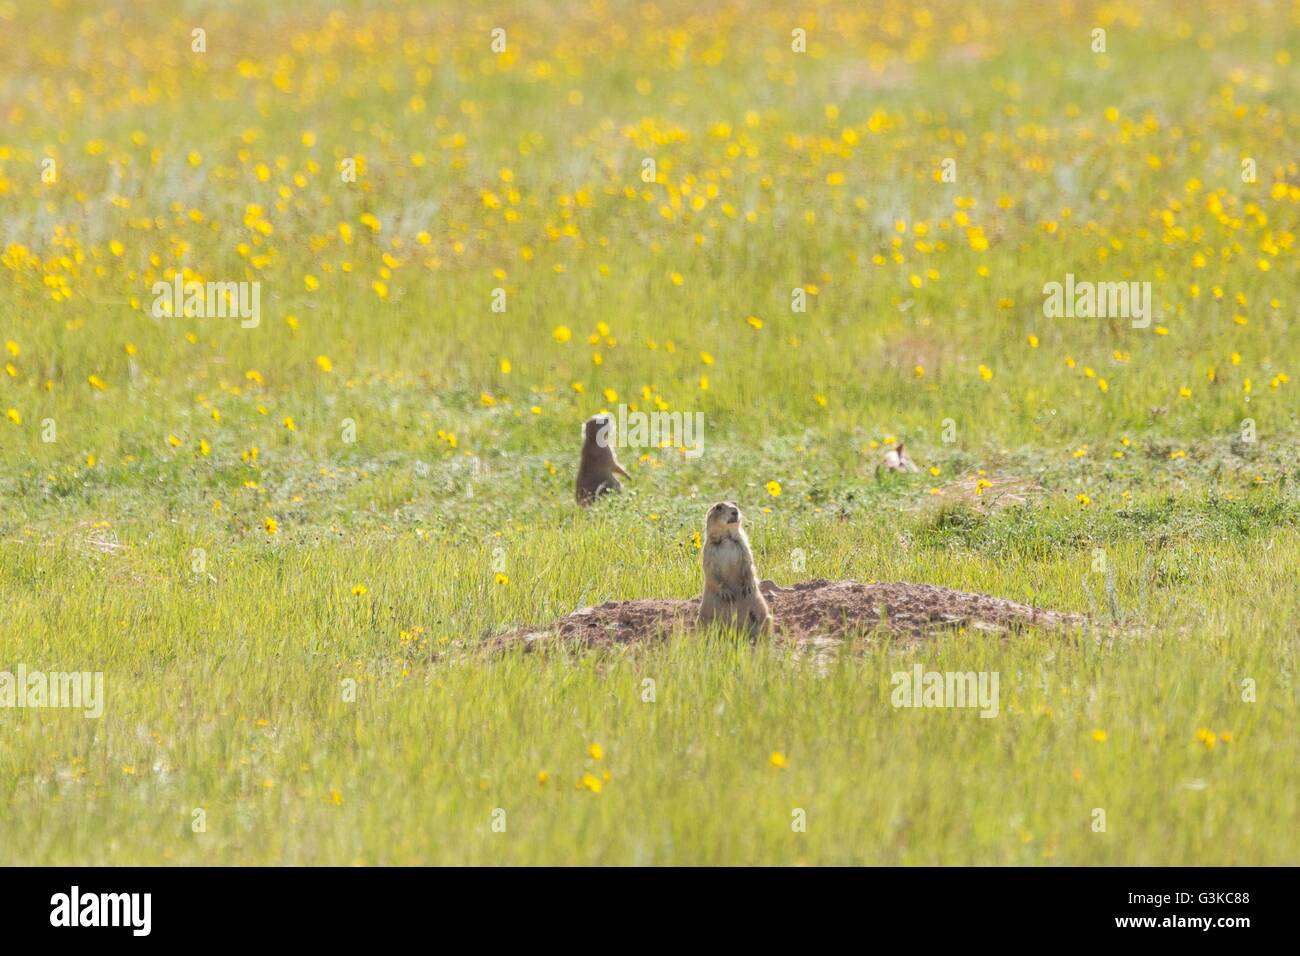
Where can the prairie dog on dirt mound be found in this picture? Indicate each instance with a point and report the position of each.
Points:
(731, 594)
(896, 460)
(598, 465)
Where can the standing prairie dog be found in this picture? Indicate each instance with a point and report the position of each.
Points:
(896, 460)
(731, 594)
(598, 465)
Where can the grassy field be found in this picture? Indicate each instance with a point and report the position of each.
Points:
(281, 543)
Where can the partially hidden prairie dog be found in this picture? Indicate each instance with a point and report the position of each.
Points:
(598, 465)
(896, 460)
(731, 594)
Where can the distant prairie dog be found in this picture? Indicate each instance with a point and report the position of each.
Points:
(896, 460)
(597, 467)
(731, 594)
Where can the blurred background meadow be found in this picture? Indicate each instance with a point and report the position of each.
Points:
(229, 522)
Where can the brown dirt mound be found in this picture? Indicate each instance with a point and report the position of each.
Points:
(811, 612)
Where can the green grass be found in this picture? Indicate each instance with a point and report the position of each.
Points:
(227, 693)
(135, 542)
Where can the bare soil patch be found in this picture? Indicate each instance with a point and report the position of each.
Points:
(813, 612)
(988, 493)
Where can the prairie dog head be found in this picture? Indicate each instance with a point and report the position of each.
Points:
(896, 459)
(596, 437)
(723, 521)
